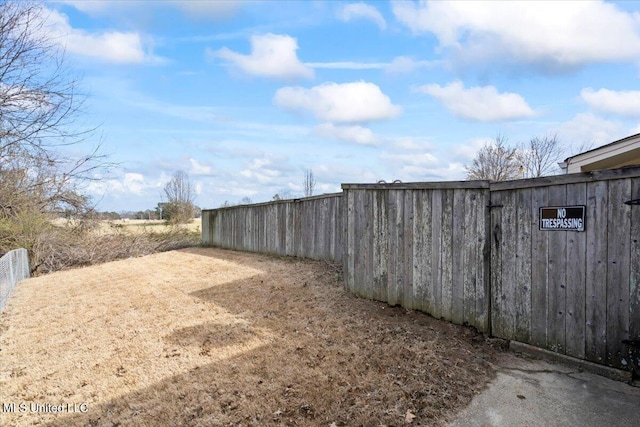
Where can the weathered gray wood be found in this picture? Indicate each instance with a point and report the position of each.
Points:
(351, 236)
(358, 253)
(407, 250)
(436, 253)
(576, 278)
(458, 257)
(633, 352)
(380, 245)
(396, 260)
(524, 223)
(596, 279)
(470, 264)
(618, 269)
(509, 237)
(367, 245)
(557, 292)
(483, 276)
(539, 271)
(497, 321)
(446, 246)
(420, 237)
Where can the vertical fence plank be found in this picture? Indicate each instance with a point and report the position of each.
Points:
(497, 319)
(470, 267)
(349, 255)
(557, 277)
(576, 278)
(619, 227)
(367, 245)
(633, 351)
(446, 246)
(508, 243)
(359, 231)
(407, 249)
(436, 252)
(396, 259)
(539, 271)
(380, 244)
(458, 256)
(422, 259)
(483, 276)
(524, 222)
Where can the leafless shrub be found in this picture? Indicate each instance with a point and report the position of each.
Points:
(62, 248)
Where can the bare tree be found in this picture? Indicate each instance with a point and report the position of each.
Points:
(495, 161)
(540, 156)
(309, 184)
(180, 193)
(40, 106)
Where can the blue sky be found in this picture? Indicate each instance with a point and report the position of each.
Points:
(245, 96)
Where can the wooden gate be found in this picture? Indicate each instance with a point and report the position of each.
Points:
(571, 292)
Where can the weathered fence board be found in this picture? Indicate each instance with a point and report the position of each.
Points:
(634, 283)
(619, 228)
(539, 272)
(595, 292)
(576, 279)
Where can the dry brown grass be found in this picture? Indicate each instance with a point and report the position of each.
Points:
(141, 226)
(205, 337)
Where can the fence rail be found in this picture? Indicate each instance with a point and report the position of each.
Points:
(14, 267)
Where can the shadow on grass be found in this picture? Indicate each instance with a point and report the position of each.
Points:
(313, 355)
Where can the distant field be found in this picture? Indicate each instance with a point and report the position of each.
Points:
(144, 225)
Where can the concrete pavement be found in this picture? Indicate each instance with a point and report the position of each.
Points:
(530, 392)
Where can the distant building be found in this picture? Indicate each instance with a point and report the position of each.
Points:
(624, 152)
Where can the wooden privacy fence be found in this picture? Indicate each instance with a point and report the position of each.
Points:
(310, 227)
(571, 292)
(422, 246)
(474, 253)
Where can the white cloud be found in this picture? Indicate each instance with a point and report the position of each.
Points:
(411, 144)
(420, 166)
(404, 64)
(333, 102)
(271, 56)
(624, 103)
(413, 159)
(479, 103)
(466, 152)
(590, 130)
(361, 10)
(110, 46)
(559, 34)
(358, 134)
(198, 168)
(131, 183)
(347, 65)
(265, 170)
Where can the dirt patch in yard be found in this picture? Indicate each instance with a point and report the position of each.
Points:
(206, 337)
